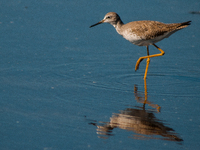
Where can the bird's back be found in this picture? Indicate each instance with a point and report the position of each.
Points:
(148, 32)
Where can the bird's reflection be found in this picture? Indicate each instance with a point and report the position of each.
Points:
(143, 123)
(142, 98)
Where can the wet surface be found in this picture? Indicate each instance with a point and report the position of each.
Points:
(64, 85)
(140, 121)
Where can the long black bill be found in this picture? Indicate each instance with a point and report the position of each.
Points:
(97, 23)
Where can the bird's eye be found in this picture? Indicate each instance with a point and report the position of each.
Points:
(108, 17)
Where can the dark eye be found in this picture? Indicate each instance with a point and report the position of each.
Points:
(108, 17)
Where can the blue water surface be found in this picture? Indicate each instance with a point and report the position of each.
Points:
(64, 85)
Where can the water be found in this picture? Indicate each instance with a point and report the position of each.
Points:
(61, 80)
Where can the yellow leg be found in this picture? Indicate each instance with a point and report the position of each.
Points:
(147, 65)
(145, 91)
(150, 56)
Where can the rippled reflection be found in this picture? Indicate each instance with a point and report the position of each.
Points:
(142, 122)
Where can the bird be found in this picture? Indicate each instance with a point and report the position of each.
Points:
(143, 33)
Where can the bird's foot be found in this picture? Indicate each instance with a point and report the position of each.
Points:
(138, 63)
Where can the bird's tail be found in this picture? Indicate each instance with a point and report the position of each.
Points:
(184, 24)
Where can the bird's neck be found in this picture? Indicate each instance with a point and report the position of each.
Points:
(118, 26)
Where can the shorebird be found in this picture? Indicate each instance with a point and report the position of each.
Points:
(143, 33)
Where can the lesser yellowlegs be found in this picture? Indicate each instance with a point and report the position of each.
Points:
(143, 33)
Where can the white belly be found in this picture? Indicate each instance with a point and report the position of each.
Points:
(141, 40)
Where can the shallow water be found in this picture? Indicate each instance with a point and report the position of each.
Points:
(67, 86)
